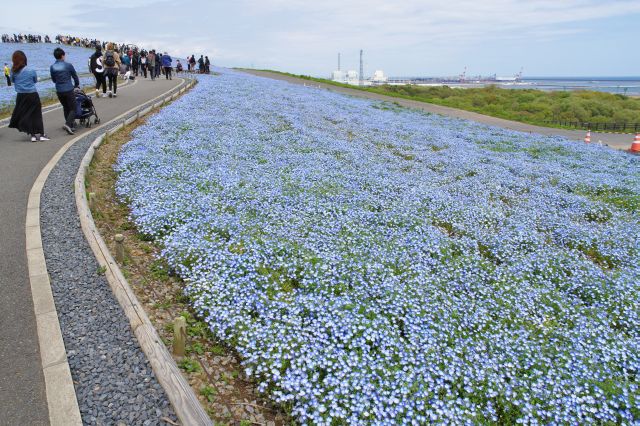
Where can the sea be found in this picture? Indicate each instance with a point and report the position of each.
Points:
(629, 86)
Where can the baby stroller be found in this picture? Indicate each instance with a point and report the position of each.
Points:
(85, 109)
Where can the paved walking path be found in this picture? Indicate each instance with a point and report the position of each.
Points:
(22, 391)
(613, 140)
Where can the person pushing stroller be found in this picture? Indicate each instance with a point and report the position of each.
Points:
(62, 74)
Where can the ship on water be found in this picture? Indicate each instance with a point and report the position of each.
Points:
(515, 79)
(379, 78)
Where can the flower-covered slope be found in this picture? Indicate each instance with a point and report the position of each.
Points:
(373, 264)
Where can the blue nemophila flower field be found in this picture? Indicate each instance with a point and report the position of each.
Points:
(39, 58)
(377, 265)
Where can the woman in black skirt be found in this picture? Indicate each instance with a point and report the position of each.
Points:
(27, 114)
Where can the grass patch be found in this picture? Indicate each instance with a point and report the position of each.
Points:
(189, 365)
(621, 198)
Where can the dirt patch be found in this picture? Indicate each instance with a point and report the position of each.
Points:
(212, 368)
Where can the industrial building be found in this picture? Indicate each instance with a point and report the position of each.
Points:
(356, 78)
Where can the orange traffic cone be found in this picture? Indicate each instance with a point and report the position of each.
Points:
(635, 146)
(587, 139)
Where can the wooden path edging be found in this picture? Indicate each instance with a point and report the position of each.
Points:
(183, 399)
(60, 391)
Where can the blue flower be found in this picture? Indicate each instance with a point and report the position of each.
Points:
(373, 264)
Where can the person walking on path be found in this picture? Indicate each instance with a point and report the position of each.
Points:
(166, 63)
(126, 61)
(207, 65)
(97, 68)
(111, 69)
(159, 67)
(158, 64)
(192, 63)
(201, 65)
(7, 74)
(135, 62)
(61, 74)
(143, 64)
(151, 64)
(27, 113)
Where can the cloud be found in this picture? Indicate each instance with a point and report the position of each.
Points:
(388, 23)
(304, 36)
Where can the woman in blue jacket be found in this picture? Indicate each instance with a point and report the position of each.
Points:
(27, 114)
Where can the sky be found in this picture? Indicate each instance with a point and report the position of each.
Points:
(402, 38)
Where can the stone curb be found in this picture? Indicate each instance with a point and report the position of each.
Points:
(183, 399)
(61, 397)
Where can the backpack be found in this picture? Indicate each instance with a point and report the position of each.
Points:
(109, 60)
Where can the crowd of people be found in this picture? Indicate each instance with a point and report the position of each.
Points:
(204, 65)
(70, 40)
(130, 62)
(109, 62)
(25, 38)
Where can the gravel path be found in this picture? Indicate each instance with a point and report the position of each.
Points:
(113, 379)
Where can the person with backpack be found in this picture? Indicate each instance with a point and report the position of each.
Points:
(27, 112)
(97, 69)
(151, 64)
(166, 63)
(111, 69)
(61, 74)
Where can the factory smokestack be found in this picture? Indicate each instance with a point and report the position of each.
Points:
(361, 70)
